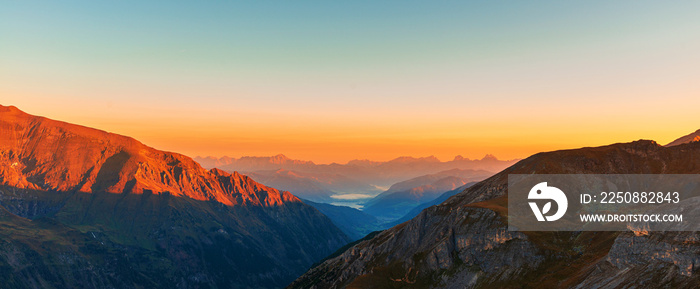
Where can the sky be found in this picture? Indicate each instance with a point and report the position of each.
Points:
(331, 81)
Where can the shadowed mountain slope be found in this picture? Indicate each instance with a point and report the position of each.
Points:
(354, 223)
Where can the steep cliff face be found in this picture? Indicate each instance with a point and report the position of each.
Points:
(464, 242)
(81, 207)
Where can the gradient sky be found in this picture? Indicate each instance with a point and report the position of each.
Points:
(333, 81)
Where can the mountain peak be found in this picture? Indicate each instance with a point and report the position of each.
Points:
(219, 173)
(431, 159)
(9, 108)
(489, 157)
(44, 154)
(279, 158)
(692, 137)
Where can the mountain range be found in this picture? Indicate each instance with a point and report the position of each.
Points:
(83, 208)
(464, 242)
(370, 173)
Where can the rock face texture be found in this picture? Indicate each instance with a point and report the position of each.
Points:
(83, 208)
(464, 242)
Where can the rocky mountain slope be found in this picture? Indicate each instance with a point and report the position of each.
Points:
(85, 208)
(465, 243)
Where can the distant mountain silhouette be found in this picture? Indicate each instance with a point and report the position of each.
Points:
(381, 174)
(83, 208)
(249, 163)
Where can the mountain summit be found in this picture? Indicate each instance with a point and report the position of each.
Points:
(43, 154)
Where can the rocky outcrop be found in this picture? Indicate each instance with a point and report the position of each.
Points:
(648, 260)
(679, 249)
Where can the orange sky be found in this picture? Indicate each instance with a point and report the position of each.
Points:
(508, 132)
